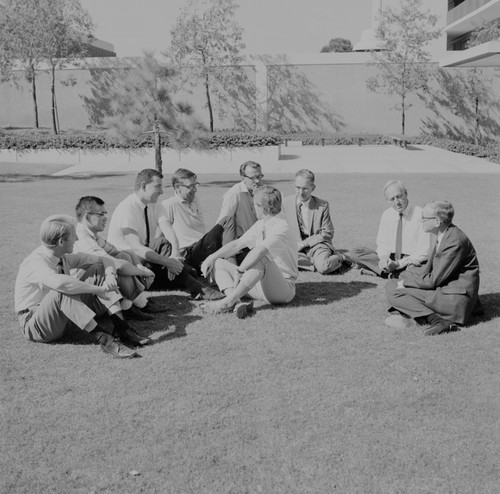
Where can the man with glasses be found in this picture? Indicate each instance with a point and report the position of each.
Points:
(134, 226)
(238, 203)
(182, 223)
(401, 241)
(443, 293)
(134, 278)
(309, 217)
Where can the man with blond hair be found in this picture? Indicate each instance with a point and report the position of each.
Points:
(269, 270)
(48, 296)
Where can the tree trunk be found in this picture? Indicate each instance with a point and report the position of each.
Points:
(33, 93)
(477, 134)
(209, 103)
(157, 141)
(403, 116)
(53, 91)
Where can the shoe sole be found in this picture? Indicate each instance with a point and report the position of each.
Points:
(450, 329)
(243, 309)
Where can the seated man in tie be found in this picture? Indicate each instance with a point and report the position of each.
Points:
(269, 270)
(134, 226)
(48, 297)
(182, 223)
(309, 217)
(92, 218)
(401, 240)
(444, 292)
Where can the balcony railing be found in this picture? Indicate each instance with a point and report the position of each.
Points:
(463, 9)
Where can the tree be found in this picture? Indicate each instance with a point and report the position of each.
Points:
(403, 62)
(206, 36)
(337, 45)
(139, 102)
(20, 28)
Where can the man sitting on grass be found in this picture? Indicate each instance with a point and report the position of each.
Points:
(92, 218)
(269, 270)
(310, 218)
(182, 223)
(47, 297)
(401, 241)
(443, 293)
(134, 226)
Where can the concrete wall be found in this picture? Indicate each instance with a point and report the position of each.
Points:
(328, 94)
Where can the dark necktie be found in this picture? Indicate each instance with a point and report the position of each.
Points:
(147, 225)
(399, 238)
(300, 218)
(60, 267)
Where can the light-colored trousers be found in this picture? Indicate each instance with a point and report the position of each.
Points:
(269, 283)
(47, 321)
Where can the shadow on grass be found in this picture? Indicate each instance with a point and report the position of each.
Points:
(171, 324)
(491, 306)
(285, 157)
(325, 292)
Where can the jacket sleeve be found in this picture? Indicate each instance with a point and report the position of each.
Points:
(326, 230)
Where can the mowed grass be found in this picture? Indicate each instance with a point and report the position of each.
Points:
(318, 396)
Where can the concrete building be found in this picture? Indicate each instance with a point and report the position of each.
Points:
(464, 16)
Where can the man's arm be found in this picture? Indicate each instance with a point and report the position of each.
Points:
(167, 229)
(228, 250)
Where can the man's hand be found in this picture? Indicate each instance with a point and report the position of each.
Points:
(400, 284)
(207, 266)
(174, 266)
(111, 283)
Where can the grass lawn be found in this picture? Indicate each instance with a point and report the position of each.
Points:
(318, 396)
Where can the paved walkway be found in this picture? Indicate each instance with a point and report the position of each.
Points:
(329, 159)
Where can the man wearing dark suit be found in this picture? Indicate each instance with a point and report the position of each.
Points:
(309, 218)
(444, 292)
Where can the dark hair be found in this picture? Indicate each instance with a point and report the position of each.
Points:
(251, 164)
(146, 176)
(182, 174)
(85, 205)
(269, 199)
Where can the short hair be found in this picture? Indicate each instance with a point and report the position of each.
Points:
(85, 205)
(444, 211)
(56, 227)
(146, 176)
(269, 199)
(395, 182)
(251, 164)
(307, 174)
(182, 174)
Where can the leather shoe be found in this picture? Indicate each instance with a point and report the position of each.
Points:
(207, 293)
(115, 347)
(441, 327)
(243, 309)
(129, 335)
(153, 307)
(134, 313)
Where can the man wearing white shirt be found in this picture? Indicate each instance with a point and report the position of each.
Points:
(309, 217)
(401, 240)
(92, 218)
(181, 221)
(134, 226)
(48, 297)
(269, 270)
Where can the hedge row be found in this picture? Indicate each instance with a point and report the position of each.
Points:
(29, 139)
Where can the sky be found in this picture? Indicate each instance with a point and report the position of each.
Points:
(270, 26)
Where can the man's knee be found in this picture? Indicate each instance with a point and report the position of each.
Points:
(392, 291)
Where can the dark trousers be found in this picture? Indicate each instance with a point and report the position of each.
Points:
(368, 258)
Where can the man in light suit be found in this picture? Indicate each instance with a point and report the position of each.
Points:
(444, 292)
(309, 218)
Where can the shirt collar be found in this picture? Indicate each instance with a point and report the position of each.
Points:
(81, 228)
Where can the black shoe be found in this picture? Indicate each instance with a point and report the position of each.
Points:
(208, 293)
(441, 327)
(129, 335)
(243, 309)
(134, 313)
(115, 347)
(153, 307)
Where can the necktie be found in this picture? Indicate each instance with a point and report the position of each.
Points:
(147, 225)
(399, 238)
(60, 267)
(300, 218)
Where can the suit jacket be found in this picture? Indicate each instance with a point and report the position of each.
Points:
(451, 277)
(321, 227)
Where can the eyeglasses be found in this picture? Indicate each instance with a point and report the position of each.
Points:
(191, 187)
(397, 198)
(255, 178)
(102, 213)
(426, 218)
